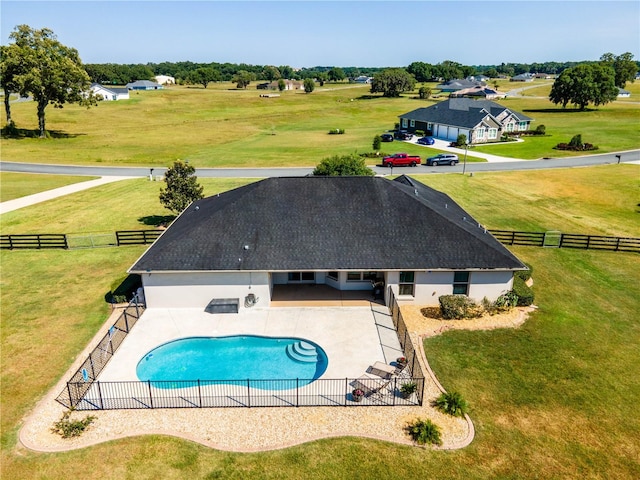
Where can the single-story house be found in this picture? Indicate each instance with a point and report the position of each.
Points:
(523, 77)
(623, 93)
(342, 232)
(144, 85)
(458, 84)
(165, 80)
(478, 78)
(109, 93)
(275, 85)
(479, 92)
(480, 120)
(363, 79)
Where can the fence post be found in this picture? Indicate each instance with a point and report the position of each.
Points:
(70, 397)
(248, 393)
(100, 395)
(150, 394)
(346, 389)
(588, 241)
(93, 371)
(126, 321)
(617, 243)
(199, 394)
(297, 392)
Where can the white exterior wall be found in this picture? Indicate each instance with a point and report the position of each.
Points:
(196, 290)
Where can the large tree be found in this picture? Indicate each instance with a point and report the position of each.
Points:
(49, 71)
(182, 187)
(623, 65)
(336, 74)
(392, 82)
(584, 84)
(203, 76)
(343, 166)
(242, 78)
(9, 69)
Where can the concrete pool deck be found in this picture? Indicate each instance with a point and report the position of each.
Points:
(352, 337)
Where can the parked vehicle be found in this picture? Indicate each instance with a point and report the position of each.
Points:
(386, 137)
(403, 135)
(401, 159)
(426, 141)
(442, 159)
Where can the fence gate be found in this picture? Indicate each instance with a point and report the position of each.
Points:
(552, 239)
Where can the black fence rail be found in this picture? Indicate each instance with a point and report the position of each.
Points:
(34, 241)
(83, 379)
(508, 237)
(409, 349)
(136, 237)
(598, 242)
(240, 393)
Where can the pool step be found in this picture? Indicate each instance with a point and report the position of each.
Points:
(302, 352)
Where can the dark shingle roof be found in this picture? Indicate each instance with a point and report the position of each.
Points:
(461, 112)
(326, 223)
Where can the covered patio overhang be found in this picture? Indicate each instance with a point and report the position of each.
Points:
(317, 295)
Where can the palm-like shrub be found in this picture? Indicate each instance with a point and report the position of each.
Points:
(424, 431)
(451, 403)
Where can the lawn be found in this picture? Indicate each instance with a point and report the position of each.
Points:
(224, 127)
(16, 185)
(553, 399)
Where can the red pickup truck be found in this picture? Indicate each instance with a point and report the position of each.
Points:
(401, 159)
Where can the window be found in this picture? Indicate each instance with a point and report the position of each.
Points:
(480, 133)
(509, 127)
(412, 123)
(404, 123)
(430, 126)
(460, 283)
(407, 283)
(301, 276)
(361, 276)
(332, 275)
(493, 133)
(522, 126)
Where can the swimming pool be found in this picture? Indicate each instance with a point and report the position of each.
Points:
(234, 358)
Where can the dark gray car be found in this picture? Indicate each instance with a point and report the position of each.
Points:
(442, 159)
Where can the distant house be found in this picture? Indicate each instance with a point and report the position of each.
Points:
(363, 79)
(165, 80)
(478, 78)
(144, 85)
(481, 121)
(458, 84)
(109, 93)
(479, 92)
(414, 240)
(275, 85)
(623, 93)
(544, 76)
(523, 77)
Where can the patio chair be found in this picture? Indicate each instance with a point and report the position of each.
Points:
(372, 386)
(382, 370)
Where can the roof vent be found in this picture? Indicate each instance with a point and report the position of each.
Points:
(415, 190)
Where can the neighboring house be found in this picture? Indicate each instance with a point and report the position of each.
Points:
(343, 232)
(363, 79)
(478, 78)
(144, 85)
(275, 85)
(458, 84)
(109, 93)
(523, 77)
(479, 92)
(544, 76)
(623, 93)
(165, 80)
(480, 120)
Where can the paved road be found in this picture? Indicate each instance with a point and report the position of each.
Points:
(587, 160)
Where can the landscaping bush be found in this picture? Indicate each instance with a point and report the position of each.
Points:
(377, 141)
(525, 274)
(424, 431)
(71, 428)
(336, 131)
(451, 403)
(524, 293)
(576, 144)
(540, 130)
(456, 307)
(419, 133)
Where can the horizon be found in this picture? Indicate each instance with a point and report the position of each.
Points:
(307, 34)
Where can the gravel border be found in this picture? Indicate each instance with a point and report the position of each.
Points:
(260, 429)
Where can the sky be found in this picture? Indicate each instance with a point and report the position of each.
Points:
(333, 33)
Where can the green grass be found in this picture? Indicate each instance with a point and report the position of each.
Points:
(553, 399)
(224, 127)
(16, 185)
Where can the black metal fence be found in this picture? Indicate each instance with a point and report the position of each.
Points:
(240, 393)
(82, 381)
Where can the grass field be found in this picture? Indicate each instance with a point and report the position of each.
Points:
(223, 127)
(16, 185)
(553, 399)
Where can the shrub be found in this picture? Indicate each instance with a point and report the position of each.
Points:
(456, 307)
(524, 293)
(424, 431)
(408, 388)
(71, 428)
(541, 130)
(336, 131)
(576, 141)
(451, 403)
(419, 133)
(377, 141)
(525, 274)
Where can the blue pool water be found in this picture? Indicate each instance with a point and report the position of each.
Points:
(235, 358)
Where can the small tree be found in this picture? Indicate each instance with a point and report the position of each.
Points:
(424, 92)
(182, 187)
(377, 141)
(576, 141)
(343, 166)
(242, 78)
(282, 85)
(461, 141)
(203, 76)
(309, 85)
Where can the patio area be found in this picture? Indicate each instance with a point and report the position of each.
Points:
(313, 295)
